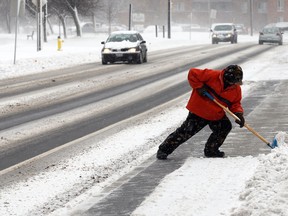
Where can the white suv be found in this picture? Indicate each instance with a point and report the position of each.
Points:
(224, 32)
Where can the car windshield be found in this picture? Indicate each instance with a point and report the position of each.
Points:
(223, 28)
(122, 37)
(270, 30)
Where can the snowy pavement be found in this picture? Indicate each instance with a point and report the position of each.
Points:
(187, 172)
(247, 185)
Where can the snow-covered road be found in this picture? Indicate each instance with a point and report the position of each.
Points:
(247, 185)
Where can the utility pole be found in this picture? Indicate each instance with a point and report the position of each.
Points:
(39, 11)
(130, 16)
(39, 24)
(209, 12)
(15, 6)
(251, 17)
(45, 22)
(169, 19)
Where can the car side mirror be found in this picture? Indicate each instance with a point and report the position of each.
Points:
(102, 42)
(142, 42)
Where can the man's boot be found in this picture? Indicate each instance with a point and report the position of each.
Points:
(161, 155)
(213, 153)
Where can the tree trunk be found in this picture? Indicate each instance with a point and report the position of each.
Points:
(50, 26)
(94, 21)
(8, 23)
(62, 19)
(75, 16)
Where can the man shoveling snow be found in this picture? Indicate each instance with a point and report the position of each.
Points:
(225, 86)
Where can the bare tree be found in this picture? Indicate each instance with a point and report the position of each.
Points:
(5, 14)
(60, 8)
(54, 9)
(111, 11)
(74, 8)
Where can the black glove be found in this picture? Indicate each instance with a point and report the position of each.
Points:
(242, 120)
(201, 91)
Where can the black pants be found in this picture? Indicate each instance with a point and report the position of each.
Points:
(192, 125)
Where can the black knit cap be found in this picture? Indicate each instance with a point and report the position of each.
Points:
(233, 74)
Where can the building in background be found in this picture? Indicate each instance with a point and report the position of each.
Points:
(255, 13)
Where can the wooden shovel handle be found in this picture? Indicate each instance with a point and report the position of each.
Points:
(226, 109)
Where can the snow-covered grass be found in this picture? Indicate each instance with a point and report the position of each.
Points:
(201, 187)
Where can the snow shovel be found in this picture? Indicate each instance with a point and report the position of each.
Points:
(226, 109)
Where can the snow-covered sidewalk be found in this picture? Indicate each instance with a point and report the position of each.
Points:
(231, 186)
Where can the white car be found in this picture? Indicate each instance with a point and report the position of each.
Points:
(271, 35)
(125, 46)
(224, 32)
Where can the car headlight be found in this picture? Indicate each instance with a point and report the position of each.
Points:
(229, 35)
(132, 49)
(214, 35)
(106, 50)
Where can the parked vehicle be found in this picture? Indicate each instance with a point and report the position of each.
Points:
(88, 28)
(125, 46)
(271, 35)
(241, 29)
(224, 32)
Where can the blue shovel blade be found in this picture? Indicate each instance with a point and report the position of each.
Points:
(274, 143)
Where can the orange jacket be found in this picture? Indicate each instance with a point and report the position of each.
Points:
(203, 106)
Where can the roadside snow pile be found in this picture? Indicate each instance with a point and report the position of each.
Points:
(266, 193)
(282, 139)
(44, 64)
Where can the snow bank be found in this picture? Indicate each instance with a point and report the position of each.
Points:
(266, 193)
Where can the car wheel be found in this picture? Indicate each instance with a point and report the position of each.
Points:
(280, 43)
(260, 42)
(104, 62)
(145, 59)
(140, 58)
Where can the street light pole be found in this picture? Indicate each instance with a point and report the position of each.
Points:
(169, 19)
(39, 25)
(130, 17)
(16, 25)
(251, 17)
(209, 12)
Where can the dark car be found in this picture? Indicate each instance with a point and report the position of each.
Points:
(125, 46)
(88, 28)
(271, 35)
(241, 29)
(224, 32)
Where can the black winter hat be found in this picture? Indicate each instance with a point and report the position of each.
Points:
(233, 74)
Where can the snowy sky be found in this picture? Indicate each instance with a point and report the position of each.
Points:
(245, 186)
